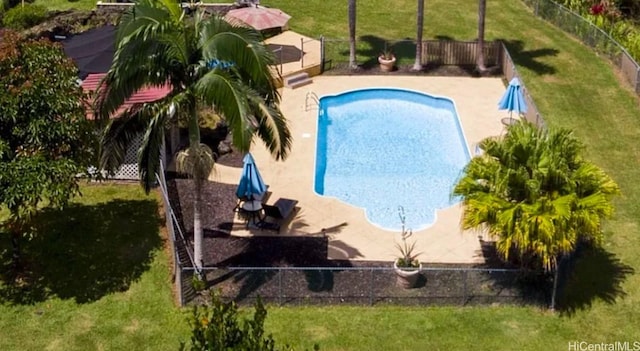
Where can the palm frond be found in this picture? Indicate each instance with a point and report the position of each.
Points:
(228, 96)
(244, 48)
(119, 134)
(273, 128)
(150, 149)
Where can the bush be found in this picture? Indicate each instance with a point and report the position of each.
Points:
(24, 17)
(217, 326)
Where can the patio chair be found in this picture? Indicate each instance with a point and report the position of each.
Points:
(279, 213)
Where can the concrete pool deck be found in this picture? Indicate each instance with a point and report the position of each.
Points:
(350, 235)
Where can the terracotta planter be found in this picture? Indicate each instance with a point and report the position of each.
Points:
(406, 277)
(386, 65)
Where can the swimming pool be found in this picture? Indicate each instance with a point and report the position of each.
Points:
(383, 148)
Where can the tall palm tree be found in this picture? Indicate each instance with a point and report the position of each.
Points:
(534, 193)
(207, 62)
(417, 66)
(482, 12)
(351, 13)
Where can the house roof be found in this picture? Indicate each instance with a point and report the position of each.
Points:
(91, 51)
(146, 94)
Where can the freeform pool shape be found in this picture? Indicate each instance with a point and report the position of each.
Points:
(383, 148)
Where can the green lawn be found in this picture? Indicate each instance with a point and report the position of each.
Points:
(100, 279)
(67, 4)
(572, 87)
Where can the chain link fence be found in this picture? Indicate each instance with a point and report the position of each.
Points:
(376, 285)
(590, 35)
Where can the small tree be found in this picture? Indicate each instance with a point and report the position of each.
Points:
(45, 139)
(533, 191)
(216, 327)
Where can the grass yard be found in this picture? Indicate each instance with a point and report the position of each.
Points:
(67, 4)
(114, 294)
(100, 279)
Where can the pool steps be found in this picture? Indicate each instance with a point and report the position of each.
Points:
(297, 80)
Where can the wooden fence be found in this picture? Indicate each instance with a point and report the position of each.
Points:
(464, 53)
(459, 53)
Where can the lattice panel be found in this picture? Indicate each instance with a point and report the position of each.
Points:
(129, 169)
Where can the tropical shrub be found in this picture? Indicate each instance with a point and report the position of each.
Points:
(24, 17)
(216, 326)
(533, 192)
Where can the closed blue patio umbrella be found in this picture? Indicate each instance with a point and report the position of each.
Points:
(513, 99)
(251, 185)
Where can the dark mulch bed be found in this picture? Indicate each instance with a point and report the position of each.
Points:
(232, 159)
(341, 281)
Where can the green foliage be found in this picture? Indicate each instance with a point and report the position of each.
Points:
(535, 193)
(198, 283)
(45, 140)
(407, 257)
(24, 17)
(217, 327)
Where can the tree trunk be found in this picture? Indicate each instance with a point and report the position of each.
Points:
(417, 66)
(482, 9)
(352, 34)
(194, 144)
(555, 290)
(197, 227)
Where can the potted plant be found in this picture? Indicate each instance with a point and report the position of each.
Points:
(406, 265)
(387, 61)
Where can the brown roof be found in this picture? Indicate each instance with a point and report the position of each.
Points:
(147, 94)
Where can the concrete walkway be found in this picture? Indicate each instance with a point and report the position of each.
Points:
(351, 235)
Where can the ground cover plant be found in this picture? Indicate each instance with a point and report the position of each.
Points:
(572, 87)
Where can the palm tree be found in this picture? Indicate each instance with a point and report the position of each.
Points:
(351, 12)
(534, 193)
(417, 66)
(207, 62)
(482, 11)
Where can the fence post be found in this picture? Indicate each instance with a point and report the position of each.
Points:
(464, 287)
(637, 79)
(321, 54)
(178, 278)
(371, 287)
(301, 52)
(279, 286)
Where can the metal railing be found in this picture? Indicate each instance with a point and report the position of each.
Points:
(182, 257)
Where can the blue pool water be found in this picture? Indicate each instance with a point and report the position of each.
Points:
(383, 148)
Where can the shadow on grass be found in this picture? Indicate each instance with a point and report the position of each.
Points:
(530, 59)
(84, 252)
(592, 274)
(405, 51)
